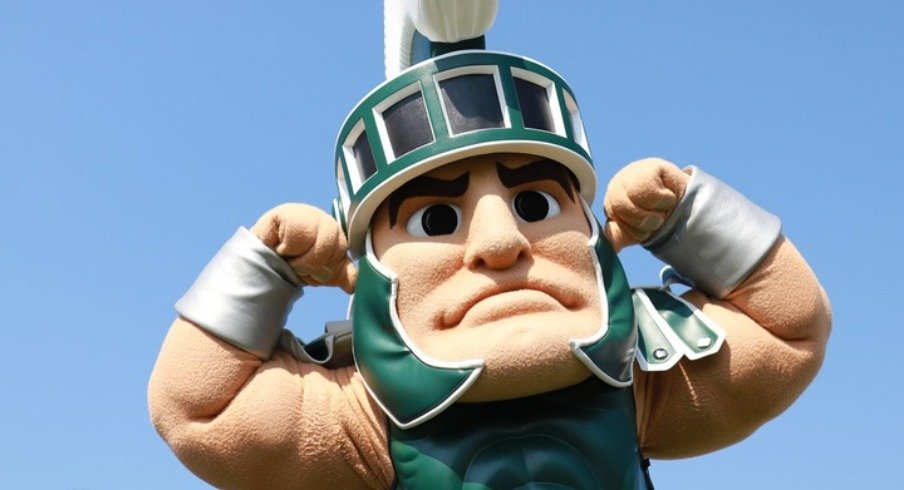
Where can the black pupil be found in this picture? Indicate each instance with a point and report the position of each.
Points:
(531, 206)
(439, 219)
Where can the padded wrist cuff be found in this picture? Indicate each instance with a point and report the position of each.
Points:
(244, 295)
(715, 236)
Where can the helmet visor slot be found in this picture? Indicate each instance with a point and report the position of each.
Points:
(577, 125)
(534, 102)
(472, 102)
(359, 158)
(407, 124)
(364, 156)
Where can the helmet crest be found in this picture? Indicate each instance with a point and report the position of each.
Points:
(448, 108)
(458, 102)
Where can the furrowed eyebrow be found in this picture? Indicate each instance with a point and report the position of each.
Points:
(426, 186)
(536, 171)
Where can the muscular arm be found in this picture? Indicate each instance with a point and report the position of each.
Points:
(777, 325)
(760, 290)
(264, 419)
(239, 422)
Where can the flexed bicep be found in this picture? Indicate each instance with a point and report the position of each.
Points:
(238, 410)
(241, 422)
(777, 323)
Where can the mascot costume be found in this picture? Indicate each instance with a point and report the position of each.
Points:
(493, 341)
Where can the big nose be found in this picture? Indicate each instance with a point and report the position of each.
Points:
(494, 239)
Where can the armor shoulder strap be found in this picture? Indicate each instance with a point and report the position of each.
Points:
(669, 328)
(333, 349)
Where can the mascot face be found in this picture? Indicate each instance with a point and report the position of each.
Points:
(492, 262)
(482, 274)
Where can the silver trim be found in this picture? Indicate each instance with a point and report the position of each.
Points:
(715, 236)
(679, 347)
(243, 295)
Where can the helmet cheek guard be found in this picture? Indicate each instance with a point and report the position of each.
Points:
(442, 110)
(445, 109)
(411, 387)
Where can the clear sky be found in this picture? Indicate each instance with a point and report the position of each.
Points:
(136, 136)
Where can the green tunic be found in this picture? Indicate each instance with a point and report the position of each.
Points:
(581, 437)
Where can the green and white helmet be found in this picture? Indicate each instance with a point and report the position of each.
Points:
(455, 104)
(460, 101)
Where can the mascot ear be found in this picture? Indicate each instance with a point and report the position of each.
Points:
(408, 385)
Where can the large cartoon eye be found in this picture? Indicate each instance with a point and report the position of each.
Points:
(533, 206)
(434, 220)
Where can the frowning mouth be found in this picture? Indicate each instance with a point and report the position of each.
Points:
(505, 301)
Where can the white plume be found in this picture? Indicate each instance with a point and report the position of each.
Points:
(438, 20)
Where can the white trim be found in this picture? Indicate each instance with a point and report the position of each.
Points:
(577, 124)
(342, 184)
(646, 366)
(552, 98)
(301, 352)
(680, 347)
(676, 343)
(351, 304)
(476, 364)
(472, 70)
(710, 323)
(358, 217)
(434, 60)
(351, 163)
(413, 88)
(576, 344)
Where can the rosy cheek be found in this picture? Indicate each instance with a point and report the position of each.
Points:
(421, 269)
(568, 248)
(411, 260)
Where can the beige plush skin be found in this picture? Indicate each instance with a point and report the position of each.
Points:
(241, 422)
(492, 289)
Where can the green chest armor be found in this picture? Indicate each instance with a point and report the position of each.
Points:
(581, 437)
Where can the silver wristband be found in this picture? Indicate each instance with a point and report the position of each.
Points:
(244, 295)
(715, 236)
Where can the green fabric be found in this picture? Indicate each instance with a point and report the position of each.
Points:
(421, 78)
(439, 49)
(582, 437)
(406, 386)
(670, 328)
(680, 316)
(614, 353)
(651, 340)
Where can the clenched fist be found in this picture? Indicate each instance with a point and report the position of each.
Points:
(639, 199)
(311, 241)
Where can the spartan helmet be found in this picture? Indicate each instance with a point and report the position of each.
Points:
(448, 108)
(453, 105)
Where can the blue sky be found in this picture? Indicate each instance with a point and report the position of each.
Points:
(135, 137)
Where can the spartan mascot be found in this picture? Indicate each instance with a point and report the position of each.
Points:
(493, 341)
